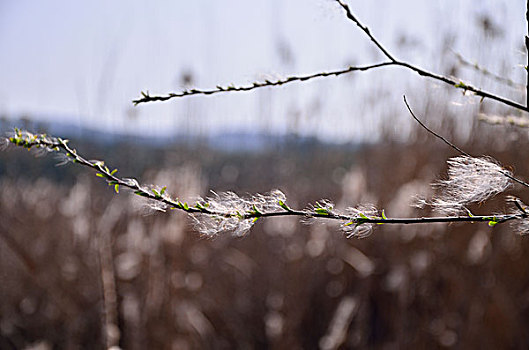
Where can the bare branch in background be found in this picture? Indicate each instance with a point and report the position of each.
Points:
(146, 97)
(442, 138)
(520, 122)
(502, 171)
(487, 73)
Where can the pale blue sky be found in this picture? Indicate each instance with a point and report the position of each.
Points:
(83, 62)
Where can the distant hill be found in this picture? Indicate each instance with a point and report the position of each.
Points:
(253, 142)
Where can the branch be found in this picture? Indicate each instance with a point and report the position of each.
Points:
(518, 204)
(433, 132)
(503, 172)
(146, 97)
(229, 212)
(365, 29)
(255, 85)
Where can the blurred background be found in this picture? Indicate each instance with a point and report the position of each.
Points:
(82, 267)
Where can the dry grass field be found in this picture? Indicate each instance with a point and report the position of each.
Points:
(82, 267)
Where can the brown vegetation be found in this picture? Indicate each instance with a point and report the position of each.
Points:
(285, 285)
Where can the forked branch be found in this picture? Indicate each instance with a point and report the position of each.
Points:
(146, 97)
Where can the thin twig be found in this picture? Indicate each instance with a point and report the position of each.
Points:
(365, 29)
(146, 97)
(505, 173)
(28, 140)
(519, 204)
(255, 85)
(433, 132)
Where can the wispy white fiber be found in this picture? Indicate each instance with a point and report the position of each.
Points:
(359, 230)
(231, 208)
(470, 180)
